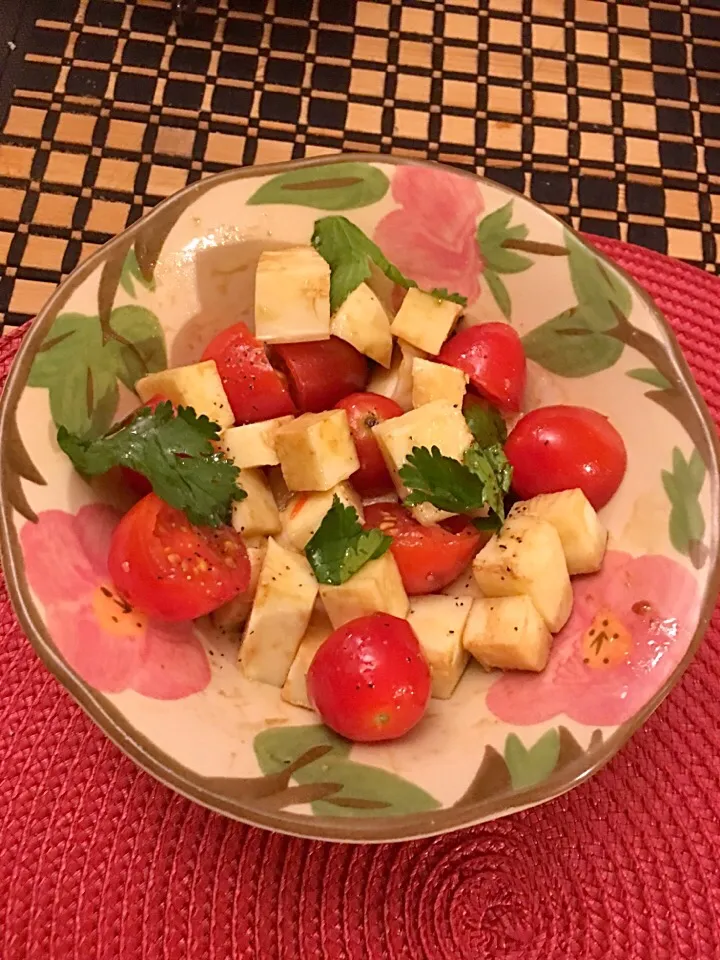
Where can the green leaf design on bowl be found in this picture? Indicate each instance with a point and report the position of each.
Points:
(683, 485)
(82, 359)
(340, 186)
(360, 790)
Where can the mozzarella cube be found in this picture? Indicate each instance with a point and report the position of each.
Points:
(427, 514)
(316, 450)
(279, 617)
(234, 613)
(437, 381)
(257, 515)
(464, 586)
(253, 444)
(438, 623)
(198, 386)
(396, 383)
(507, 633)
(438, 424)
(295, 687)
(424, 320)
(526, 557)
(305, 512)
(375, 588)
(583, 537)
(362, 322)
(292, 296)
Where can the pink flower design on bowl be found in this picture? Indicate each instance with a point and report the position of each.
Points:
(106, 642)
(629, 629)
(431, 238)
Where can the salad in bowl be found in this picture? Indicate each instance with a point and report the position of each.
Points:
(359, 500)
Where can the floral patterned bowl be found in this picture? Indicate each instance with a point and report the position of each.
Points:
(172, 697)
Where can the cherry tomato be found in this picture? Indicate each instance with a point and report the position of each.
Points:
(320, 372)
(138, 482)
(560, 448)
(492, 355)
(429, 558)
(255, 390)
(369, 680)
(364, 411)
(171, 570)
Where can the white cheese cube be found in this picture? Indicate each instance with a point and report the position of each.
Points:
(438, 424)
(427, 514)
(257, 515)
(424, 321)
(233, 614)
(253, 444)
(198, 386)
(362, 322)
(292, 296)
(279, 617)
(295, 687)
(438, 622)
(437, 381)
(464, 586)
(583, 537)
(507, 633)
(305, 512)
(316, 450)
(375, 588)
(527, 557)
(396, 383)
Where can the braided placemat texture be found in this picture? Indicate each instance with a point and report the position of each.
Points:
(100, 861)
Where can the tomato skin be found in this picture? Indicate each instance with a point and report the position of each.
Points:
(369, 681)
(492, 355)
(171, 570)
(320, 372)
(255, 390)
(562, 447)
(428, 558)
(364, 411)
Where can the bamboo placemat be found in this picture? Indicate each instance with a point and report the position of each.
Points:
(608, 113)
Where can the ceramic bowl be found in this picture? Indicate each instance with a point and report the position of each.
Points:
(172, 697)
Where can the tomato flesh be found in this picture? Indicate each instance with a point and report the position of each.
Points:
(369, 681)
(364, 411)
(255, 390)
(562, 447)
(428, 558)
(320, 372)
(492, 355)
(171, 570)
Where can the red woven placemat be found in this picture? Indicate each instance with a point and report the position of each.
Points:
(100, 861)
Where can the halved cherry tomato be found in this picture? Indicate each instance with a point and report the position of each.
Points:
(138, 482)
(369, 680)
(429, 558)
(320, 372)
(562, 447)
(364, 411)
(171, 570)
(255, 390)
(492, 355)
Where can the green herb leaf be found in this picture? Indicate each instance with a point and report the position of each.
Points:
(442, 293)
(340, 547)
(175, 453)
(350, 253)
(481, 480)
(485, 422)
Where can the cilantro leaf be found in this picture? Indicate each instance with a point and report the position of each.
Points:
(485, 422)
(442, 293)
(481, 480)
(176, 454)
(350, 254)
(340, 547)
